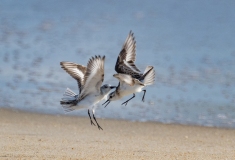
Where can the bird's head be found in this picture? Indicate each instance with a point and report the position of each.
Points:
(106, 88)
(110, 98)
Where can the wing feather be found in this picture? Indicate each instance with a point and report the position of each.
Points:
(124, 78)
(125, 61)
(77, 71)
(94, 75)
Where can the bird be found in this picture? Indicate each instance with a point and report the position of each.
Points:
(89, 81)
(131, 79)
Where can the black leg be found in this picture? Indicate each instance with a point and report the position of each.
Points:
(128, 100)
(143, 95)
(106, 102)
(92, 123)
(97, 122)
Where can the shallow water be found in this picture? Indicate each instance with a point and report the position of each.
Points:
(191, 44)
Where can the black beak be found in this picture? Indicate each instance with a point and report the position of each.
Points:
(113, 87)
(106, 102)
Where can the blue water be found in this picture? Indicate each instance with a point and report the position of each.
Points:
(191, 44)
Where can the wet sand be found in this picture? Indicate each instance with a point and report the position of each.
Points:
(38, 136)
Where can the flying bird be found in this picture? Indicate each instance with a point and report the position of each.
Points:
(89, 81)
(131, 79)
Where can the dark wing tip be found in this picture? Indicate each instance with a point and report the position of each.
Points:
(62, 63)
(97, 57)
(131, 34)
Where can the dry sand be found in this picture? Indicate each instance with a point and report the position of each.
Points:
(38, 136)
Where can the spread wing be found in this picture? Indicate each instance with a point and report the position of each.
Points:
(94, 75)
(125, 61)
(76, 71)
(124, 78)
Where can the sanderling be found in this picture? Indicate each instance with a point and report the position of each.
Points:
(89, 81)
(131, 80)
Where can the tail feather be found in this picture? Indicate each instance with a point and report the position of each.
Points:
(69, 100)
(69, 93)
(148, 77)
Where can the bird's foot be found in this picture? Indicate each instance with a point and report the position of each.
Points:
(125, 103)
(99, 127)
(92, 123)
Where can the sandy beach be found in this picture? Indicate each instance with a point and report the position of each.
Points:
(38, 136)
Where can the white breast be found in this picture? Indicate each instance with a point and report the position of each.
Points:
(89, 101)
(126, 89)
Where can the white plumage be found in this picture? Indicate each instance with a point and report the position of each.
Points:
(89, 81)
(131, 80)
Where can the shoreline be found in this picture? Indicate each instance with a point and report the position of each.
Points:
(45, 136)
(115, 119)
